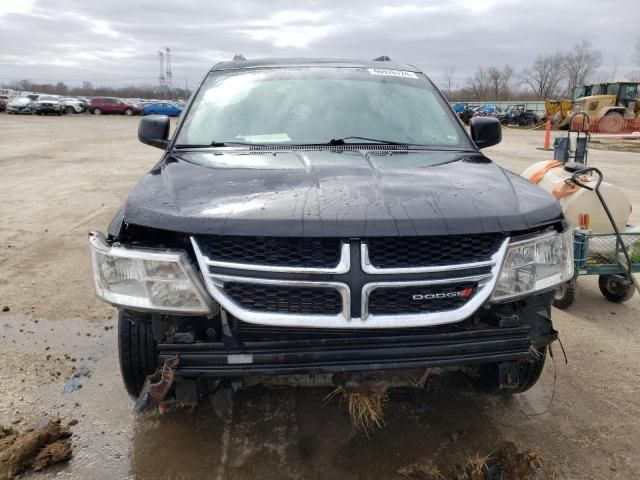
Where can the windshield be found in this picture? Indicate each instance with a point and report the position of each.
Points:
(579, 92)
(47, 97)
(313, 105)
(20, 101)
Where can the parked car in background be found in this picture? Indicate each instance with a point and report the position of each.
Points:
(100, 105)
(162, 108)
(73, 105)
(20, 105)
(46, 104)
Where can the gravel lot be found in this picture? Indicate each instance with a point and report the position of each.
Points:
(64, 176)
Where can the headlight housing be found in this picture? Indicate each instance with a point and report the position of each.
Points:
(535, 264)
(146, 279)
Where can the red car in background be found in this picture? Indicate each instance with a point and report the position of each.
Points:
(100, 105)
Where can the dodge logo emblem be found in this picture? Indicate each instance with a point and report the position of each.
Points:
(465, 293)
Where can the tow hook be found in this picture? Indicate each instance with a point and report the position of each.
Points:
(509, 374)
(156, 386)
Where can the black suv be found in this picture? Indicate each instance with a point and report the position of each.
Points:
(325, 221)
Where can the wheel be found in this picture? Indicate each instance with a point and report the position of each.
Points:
(614, 290)
(69, 110)
(97, 111)
(565, 295)
(128, 112)
(137, 349)
(487, 379)
(612, 122)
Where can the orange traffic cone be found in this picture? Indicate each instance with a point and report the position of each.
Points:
(547, 136)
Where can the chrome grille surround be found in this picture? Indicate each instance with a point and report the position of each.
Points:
(486, 282)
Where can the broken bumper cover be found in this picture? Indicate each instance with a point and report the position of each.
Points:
(288, 357)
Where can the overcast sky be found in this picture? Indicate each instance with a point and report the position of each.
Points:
(116, 42)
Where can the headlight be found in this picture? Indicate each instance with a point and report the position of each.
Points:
(146, 279)
(535, 264)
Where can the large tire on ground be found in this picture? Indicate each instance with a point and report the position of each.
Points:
(614, 290)
(69, 110)
(128, 112)
(487, 379)
(612, 122)
(565, 295)
(96, 111)
(137, 349)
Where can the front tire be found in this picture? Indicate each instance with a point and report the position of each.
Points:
(137, 349)
(565, 295)
(487, 380)
(614, 290)
(128, 112)
(97, 111)
(69, 110)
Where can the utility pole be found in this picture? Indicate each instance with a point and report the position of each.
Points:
(169, 74)
(161, 78)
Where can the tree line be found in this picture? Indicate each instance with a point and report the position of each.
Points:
(87, 89)
(551, 75)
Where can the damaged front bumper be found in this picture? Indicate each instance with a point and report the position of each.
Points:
(500, 334)
(289, 357)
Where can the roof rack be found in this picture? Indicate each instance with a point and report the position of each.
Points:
(382, 58)
(238, 57)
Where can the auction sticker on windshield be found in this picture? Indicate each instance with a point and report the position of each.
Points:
(391, 73)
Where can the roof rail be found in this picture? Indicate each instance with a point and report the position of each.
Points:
(382, 58)
(238, 57)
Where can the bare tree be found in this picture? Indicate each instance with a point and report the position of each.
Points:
(449, 73)
(494, 79)
(611, 72)
(580, 63)
(544, 76)
(479, 84)
(499, 82)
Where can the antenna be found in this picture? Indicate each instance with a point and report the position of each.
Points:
(169, 74)
(161, 78)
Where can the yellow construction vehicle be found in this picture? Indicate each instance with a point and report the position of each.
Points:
(611, 107)
(559, 110)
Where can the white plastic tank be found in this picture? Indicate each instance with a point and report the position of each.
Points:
(577, 201)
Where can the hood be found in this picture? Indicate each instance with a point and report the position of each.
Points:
(326, 192)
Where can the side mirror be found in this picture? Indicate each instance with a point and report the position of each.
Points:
(485, 131)
(154, 130)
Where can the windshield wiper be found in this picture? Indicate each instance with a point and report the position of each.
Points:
(341, 141)
(216, 144)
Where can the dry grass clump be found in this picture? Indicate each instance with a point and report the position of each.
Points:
(365, 407)
(422, 471)
(506, 462)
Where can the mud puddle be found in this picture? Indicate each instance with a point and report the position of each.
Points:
(70, 369)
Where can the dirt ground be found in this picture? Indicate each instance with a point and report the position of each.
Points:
(61, 177)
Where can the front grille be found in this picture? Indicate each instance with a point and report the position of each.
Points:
(330, 282)
(407, 252)
(274, 251)
(415, 299)
(281, 299)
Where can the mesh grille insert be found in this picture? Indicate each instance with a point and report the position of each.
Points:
(273, 251)
(415, 299)
(406, 252)
(280, 299)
